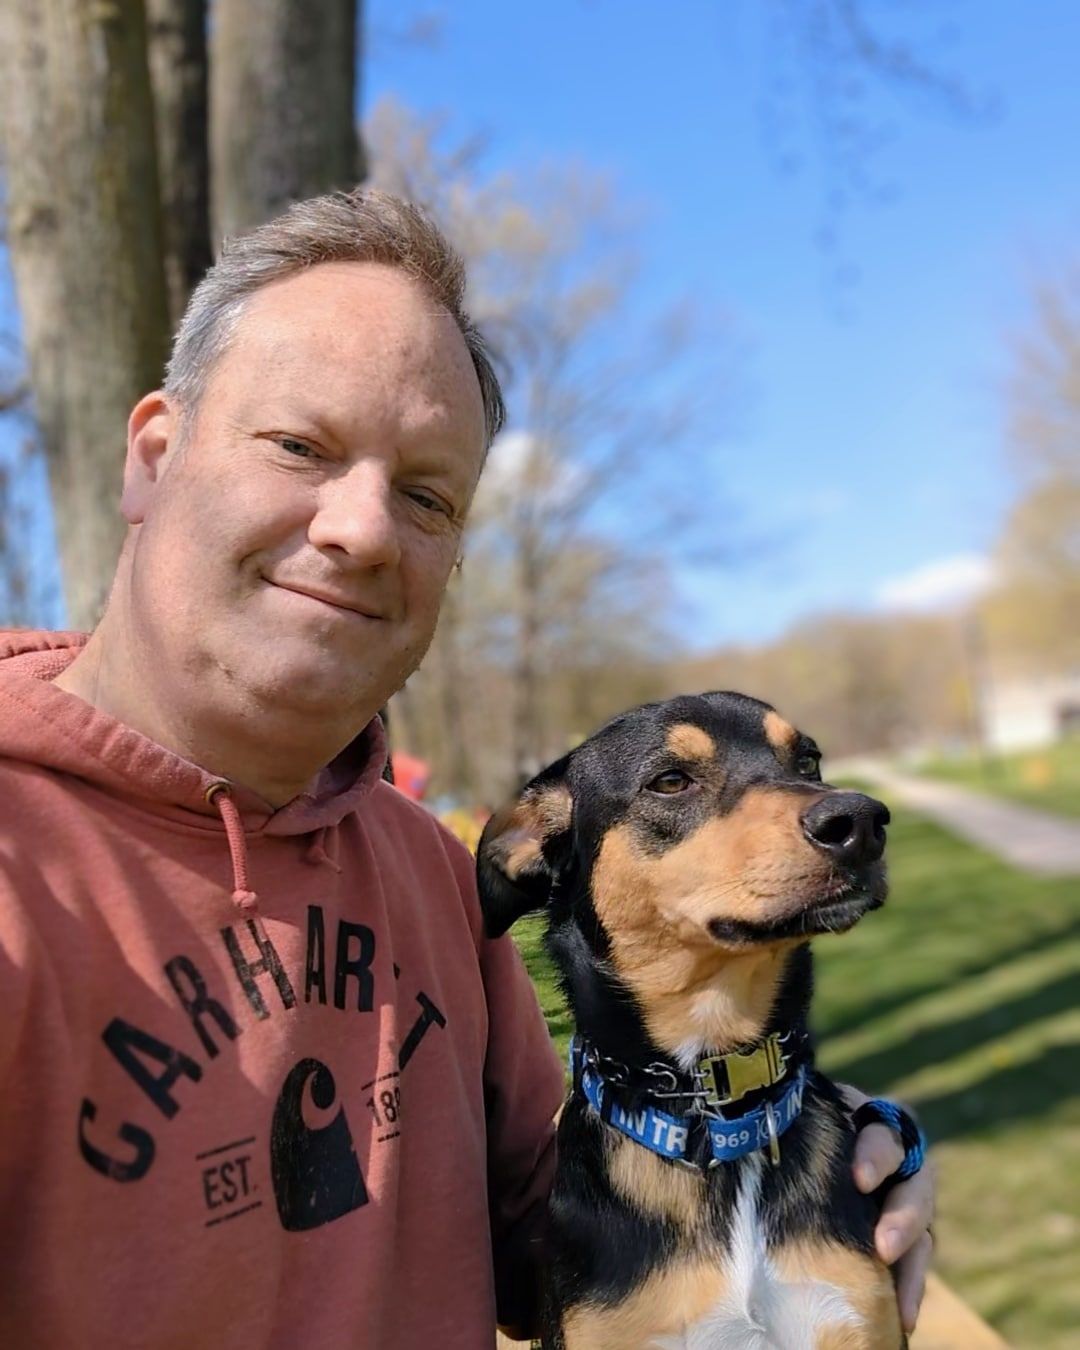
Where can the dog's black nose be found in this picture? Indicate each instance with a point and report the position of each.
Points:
(848, 826)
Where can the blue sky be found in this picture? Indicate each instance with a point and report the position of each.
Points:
(868, 443)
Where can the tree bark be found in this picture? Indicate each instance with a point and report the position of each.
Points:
(85, 239)
(176, 43)
(529, 720)
(282, 106)
(453, 686)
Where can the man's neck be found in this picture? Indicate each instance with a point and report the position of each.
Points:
(273, 753)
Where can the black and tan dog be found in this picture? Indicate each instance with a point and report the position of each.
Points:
(704, 1198)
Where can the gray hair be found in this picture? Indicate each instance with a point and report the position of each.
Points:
(364, 225)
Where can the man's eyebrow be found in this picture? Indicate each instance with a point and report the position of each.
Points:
(284, 415)
(443, 459)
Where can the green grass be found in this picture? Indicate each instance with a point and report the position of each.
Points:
(1047, 778)
(529, 936)
(963, 997)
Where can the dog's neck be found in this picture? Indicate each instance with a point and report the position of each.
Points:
(610, 1018)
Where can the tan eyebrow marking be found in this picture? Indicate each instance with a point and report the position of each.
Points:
(780, 734)
(690, 742)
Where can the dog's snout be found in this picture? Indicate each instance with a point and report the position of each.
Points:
(848, 826)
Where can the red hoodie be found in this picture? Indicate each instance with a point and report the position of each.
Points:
(262, 1077)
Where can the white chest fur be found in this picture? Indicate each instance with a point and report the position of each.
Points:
(760, 1311)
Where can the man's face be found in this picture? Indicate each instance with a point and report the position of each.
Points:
(294, 545)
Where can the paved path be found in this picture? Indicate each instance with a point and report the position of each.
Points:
(1032, 840)
(947, 1323)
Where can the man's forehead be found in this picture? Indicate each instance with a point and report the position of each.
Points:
(350, 303)
(366, 328)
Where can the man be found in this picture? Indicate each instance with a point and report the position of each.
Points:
(265, 1083)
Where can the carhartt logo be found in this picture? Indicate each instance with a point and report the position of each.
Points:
(125, 1150)
(315, 1171)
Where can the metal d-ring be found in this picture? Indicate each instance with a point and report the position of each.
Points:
(774, 1138)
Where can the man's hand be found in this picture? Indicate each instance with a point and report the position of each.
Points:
(902, 1234)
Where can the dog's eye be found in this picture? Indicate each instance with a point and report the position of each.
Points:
(809, 766)
(671, 782)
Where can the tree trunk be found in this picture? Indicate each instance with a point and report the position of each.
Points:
(176, 42)
(85, 239)
(282, 105)
(453, 686)
(528, 720)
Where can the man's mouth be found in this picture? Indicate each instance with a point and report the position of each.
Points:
(339, 604)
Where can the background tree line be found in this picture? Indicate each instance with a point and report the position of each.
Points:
(137, 136)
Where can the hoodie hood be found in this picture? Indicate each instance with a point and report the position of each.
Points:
(43, 725)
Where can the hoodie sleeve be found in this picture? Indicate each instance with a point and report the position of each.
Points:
(523, 1088)
(17, 952)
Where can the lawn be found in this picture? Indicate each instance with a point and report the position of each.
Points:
(1047, 778)
(963, 997)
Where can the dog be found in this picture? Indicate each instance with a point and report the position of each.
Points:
(685, 855)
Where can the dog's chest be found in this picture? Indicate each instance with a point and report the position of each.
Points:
(761, 1309)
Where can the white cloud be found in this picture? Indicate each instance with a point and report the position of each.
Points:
(519, 453)
(941, 584)
(509, 455)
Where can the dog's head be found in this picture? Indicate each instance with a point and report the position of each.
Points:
(682, 834)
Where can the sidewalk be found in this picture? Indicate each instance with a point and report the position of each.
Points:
(947, 1323)
(1031, 840)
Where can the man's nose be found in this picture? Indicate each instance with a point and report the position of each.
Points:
(355, 515)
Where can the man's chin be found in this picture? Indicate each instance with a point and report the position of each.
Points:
(322, 685)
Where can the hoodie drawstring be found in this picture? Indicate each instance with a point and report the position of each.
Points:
(243, 896)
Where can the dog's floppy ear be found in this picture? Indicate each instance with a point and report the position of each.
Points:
(516, 857)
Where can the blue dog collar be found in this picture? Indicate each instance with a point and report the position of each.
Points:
(670, 1136)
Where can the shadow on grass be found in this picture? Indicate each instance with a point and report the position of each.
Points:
(1022, 1091)
(937, 1043)
(560, 1025)
(873, 1009)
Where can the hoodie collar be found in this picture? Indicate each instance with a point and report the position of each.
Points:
(44, 725)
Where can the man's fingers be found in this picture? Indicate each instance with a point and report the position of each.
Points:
(878, 1153)
(908, 1209)
(901, 1235)
(911, 1280)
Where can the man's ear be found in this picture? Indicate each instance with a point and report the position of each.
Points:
(519, 851)
(153, 434)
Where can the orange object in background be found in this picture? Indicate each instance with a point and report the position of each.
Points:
(411, 775)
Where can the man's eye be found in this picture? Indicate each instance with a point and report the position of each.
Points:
(667, 784)
(429, 502)
(809, 766)
(295, 447)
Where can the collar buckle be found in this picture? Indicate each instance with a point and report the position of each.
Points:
(726, 1078)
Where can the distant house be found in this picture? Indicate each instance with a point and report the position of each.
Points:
(1021, 714)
